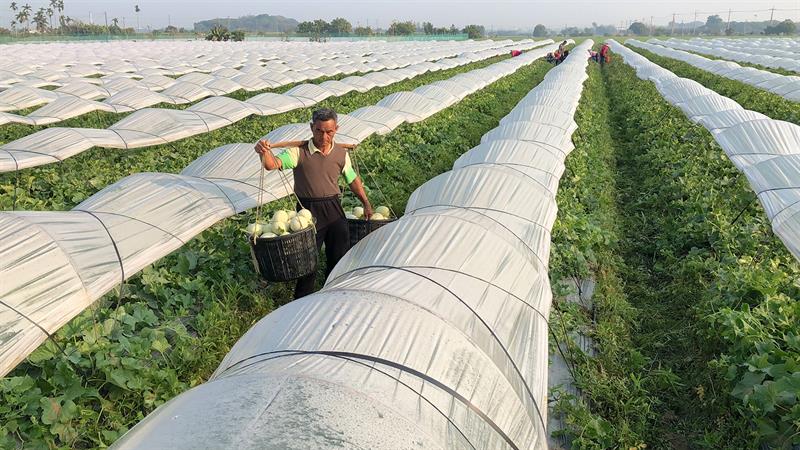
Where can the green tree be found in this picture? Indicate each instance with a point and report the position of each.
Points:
(540, 30)
(14, 15)
(52, 8)
(363, 31)
(321, 26)
(715, 24)
(638, 28)
(40, 19)
(401, 28)
(570, 31)
(427, 27)
(58, 5)
(474, 31)
(305, 27)
(136, 9)
(606, 30)
(315, 30)
(785, 27)
(26, 12)
(24, 15)
(218, 33)
(340, 26)
(114, 28)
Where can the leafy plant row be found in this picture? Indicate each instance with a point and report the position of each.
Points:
(716, 291)
(777, 70)
(103, 119)
(765, 102)
(585, 245)
(177, 319)
(64, 185)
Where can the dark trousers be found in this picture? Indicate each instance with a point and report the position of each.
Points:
(332, 229)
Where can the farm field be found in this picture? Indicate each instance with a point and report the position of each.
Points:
(681, 297)
(196, 313)
(668, 187)
(777, 55)
(64, 185)
(749, 97)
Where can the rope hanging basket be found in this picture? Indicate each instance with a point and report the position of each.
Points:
(287, 257)
(360, 228)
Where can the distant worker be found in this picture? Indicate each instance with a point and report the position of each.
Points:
(562, 47)
(562, 57)
(605, 56)
(594, 56)
(317, 165)
(553, 58)
(515, 53)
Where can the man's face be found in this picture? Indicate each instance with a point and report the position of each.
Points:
(323, 132)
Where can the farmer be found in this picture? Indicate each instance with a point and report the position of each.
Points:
(605, 58)
(317, 165)
(561, 47)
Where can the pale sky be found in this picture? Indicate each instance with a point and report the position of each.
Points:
(510, 14)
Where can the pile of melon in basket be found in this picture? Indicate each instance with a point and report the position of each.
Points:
(380, 213)
(283, 222)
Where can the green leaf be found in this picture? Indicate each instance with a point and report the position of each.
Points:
(69, 411)
(109, 436)
(50, 410)
(745, 386)
(776, 370)
(119, 377)
(765, 397)
(160, 345)
(788, 389)
(41, 354)
(793, 341)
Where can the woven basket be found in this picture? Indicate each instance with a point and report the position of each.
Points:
(360, 228)
(287, 257)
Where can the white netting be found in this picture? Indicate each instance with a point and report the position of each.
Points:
(143, 217)
(153, 126)
(787, 86)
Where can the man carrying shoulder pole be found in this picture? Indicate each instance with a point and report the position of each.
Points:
(317, 165)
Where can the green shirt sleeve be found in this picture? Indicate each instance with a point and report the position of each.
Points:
(289, 158)
(347, 170)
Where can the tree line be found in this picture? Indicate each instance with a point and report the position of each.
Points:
(716, 26)
(51, 19)
(342, 27)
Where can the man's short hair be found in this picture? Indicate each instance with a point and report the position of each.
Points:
(323, 115)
